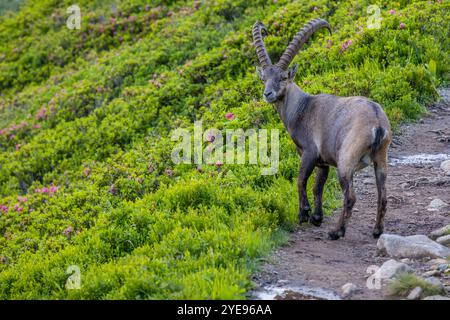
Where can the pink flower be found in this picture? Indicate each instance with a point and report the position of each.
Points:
(36, 126)
(11, 137)
(346, 44)
(402, 25)
(44, 190)
(169, 172)
(210, 137)
(68, 231)
(2, 132)
(53, 189)
(41, 114)
(87, 171)
(4, 209)
(18, 146)
(392, 11)
(230, 116)
(219, 163)
(22, 199)
(18, 208)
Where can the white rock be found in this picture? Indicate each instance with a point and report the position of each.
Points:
(417, 246)
(415, 294)
(436, 205)
(437, 262)
(437, 297)
(444, 240)
(390, 269)
(445, 166)
(348, 289)
(431, 273)
(440, 232)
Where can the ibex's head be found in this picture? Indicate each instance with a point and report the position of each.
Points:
(276, 77)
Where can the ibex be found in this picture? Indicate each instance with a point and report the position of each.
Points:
(345, 132)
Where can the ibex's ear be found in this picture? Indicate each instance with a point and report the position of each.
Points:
(260, 72)
(292, 72)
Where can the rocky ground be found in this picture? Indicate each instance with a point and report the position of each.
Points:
(310, 266)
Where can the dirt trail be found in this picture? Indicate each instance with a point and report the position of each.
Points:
(312, 262)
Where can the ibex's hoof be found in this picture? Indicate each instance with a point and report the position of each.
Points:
(377, 232)
(336, 234)
(303, 218)
(316, 220)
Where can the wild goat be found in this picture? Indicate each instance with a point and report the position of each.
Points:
(345, 132)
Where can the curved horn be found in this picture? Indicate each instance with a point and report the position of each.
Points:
(299, 39)
(261, 50)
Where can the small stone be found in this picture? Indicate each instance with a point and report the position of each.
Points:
(445, 166)
(444, 240)
(390, 269)
(437, 261)
(437, 297)
(405, 260)
(431, 273)
(415, 294)
(436, 205)
(348, 289)
(440, 232)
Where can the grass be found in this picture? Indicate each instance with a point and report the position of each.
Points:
(405, 282)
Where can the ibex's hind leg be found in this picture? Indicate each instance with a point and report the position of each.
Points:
(346, 181)
(321, 177)
(380, 167)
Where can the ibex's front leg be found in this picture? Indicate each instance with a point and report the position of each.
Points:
(321, 178)
(306, 168)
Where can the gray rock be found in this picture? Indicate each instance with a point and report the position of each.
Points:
(436, 205)
(440, 232)
(348, 289)
(417, 246)
(442, 267)
(437, 297)
(445, 166)
(415, 294)
(390, 269)
(435, 282)
(444, 240)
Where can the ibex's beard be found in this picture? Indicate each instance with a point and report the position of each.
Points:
(270, 100)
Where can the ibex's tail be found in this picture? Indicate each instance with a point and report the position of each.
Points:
(378, 135)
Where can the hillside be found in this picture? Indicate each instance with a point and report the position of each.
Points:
(86, 119)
